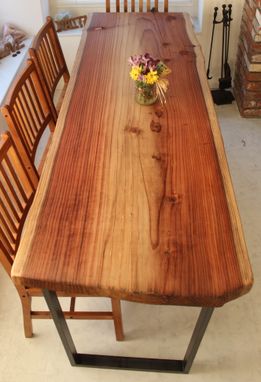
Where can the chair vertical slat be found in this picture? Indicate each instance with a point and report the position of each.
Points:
(57, 50)
(9, 248)
(23, 132)
(37, 108)
(9, 202)
(11, 219)
(11, 189)
(44, 69)
(17, 191)
(28, 112)
(37, 103)
(46, 65)
(35, 111)
(16, 181)
(25, 126)
(48, 119)
(6, 230)
(52, 61)
(25, 114)
(141, 6)
(30, 121)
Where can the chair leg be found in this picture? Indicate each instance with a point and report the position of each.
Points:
(72, 304)
(117, 319)
(27, 318)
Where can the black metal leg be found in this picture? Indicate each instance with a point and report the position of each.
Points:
(61, 324)
(129, 363)
(197, 336)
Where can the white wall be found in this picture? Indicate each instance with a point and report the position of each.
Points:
(70, 44)
(205, 36)
(25, 14)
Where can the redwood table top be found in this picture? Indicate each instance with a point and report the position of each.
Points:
(136, 202)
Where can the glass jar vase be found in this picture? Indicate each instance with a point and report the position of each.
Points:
(146, 94)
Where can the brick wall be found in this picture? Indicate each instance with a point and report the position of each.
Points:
(247, 83)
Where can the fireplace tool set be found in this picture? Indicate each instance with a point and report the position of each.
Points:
(222, 96)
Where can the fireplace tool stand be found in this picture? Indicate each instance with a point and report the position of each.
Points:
(222, 96)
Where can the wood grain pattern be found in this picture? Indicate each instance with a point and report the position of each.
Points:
(138, 200)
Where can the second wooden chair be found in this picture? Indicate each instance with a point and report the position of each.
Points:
(48, 56)
(135, 5)
(28, 114)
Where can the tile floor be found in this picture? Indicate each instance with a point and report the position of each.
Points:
(231, 349)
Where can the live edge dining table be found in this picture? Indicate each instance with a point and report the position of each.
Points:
(136, 202)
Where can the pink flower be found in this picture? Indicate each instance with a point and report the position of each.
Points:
(147, 62)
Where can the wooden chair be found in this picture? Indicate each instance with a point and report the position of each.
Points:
(47, 54)
(17, 191)
(71, 23)
(130, 5)
(28, 114)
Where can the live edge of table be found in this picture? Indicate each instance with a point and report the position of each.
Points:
(136, 202)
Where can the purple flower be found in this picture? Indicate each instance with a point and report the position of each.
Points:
(147, 62)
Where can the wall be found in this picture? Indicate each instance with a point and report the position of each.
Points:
(70, 43)
(204, 36)
(26, 14)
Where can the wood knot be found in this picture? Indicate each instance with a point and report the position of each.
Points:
(133, 130)
(170, 18)
(155, 126)
(168, 253)
(156, 157)
(174, 199)
(166, 43)
(159, 113)
(184, 52)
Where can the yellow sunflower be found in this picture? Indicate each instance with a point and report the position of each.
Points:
(152, 77)
(135, 72)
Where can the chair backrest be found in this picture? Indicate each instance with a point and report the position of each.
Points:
(135, 5)
(71, 23)
(47, 53)
(28, 112)
(17, 191)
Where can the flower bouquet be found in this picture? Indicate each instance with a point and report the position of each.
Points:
(148, 75)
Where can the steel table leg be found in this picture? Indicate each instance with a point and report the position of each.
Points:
(129, 363)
